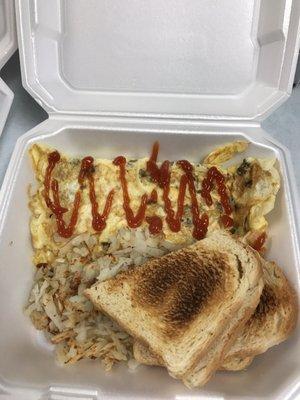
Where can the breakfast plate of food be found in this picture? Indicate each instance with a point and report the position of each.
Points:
(156, 263)
(122, 273)
(149, 235)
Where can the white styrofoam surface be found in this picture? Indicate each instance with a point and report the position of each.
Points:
(8, 36)
(26, 361)
(203, 59)
(8, 44)
(25, 113)
(6, 98)
(146, 58)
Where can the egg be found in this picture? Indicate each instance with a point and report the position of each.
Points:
(225, 152)
(252, 186)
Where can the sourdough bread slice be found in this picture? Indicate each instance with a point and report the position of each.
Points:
(188, 304)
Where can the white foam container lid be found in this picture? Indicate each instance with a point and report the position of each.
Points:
(8, 44)
(114, 76)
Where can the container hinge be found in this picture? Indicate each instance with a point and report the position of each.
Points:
(61, 393)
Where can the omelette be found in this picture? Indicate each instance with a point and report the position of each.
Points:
(67, 264)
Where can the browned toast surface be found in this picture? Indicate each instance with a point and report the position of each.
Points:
(180, 304)
(272, 322)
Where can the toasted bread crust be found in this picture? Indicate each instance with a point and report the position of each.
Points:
(198, 376)
(267, 306)
(278, 298)
(274, 318)
(241, 275)
(143, 355)
(237, 364)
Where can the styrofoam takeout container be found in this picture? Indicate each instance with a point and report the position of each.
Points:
(115, 75)
(8, 44)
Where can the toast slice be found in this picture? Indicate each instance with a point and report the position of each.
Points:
(187, 305)
(204, 369)
(272, 322)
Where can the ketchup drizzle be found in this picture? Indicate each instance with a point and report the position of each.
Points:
(86, 172)
(53, 159)
(259, 242)
(155, 224)
(226, 221)
(215, 176)
(161, 176)
(133, 221)
(200, 222)
(152, 167)
(153, 197)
